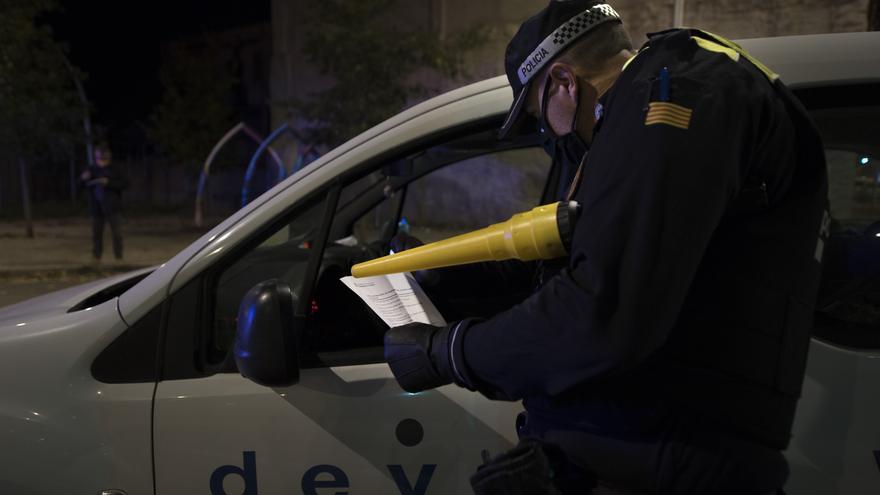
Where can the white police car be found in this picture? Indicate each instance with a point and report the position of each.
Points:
(126, 385)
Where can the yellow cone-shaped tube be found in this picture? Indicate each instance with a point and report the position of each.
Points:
(526, 236)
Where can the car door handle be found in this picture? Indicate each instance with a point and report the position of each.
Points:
(113, 492)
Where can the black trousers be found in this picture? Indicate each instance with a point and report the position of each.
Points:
(688, 457)
(103, 212)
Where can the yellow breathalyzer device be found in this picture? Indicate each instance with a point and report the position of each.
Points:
(542, 233)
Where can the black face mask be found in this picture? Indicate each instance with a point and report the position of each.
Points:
(567, 150)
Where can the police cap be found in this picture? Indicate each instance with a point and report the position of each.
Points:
(539, 40)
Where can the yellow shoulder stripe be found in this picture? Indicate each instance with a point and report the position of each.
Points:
(772, 76)
(715, 47)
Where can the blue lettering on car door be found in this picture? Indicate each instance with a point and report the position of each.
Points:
(310, 482)
(248, 473)
(402, 481)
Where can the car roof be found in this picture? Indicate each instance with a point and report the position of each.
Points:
(820, 59)
(801, 61)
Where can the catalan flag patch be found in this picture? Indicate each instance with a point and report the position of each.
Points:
(663, 112)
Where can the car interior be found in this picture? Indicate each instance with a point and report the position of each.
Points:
(378, 202)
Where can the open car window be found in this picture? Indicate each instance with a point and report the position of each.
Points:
(445, 190)
(283, 255)
(475, 192)
(458, 185)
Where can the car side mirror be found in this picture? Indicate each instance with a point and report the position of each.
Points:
(266, 346)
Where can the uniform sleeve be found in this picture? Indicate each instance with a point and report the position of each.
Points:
(652, 196)
(504, 276)
(479, 289)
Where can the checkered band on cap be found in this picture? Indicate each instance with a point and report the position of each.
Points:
(559, 39)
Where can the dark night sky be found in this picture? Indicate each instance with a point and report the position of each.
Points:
(118, 45)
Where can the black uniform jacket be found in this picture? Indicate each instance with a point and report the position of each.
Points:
(694, 265)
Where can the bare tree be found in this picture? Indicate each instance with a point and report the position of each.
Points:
(196, 106)
(38, 101)
(370, 65)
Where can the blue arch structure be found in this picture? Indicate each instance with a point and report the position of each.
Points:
(242, 128)
(304, 157)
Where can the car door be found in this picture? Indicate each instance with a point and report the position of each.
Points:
(835, 446)
(346, 425)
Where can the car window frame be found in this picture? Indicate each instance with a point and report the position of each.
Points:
(201, 300)
(348, 214)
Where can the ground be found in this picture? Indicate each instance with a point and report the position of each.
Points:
(59, 255)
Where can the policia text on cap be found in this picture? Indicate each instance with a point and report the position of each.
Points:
(667, 356)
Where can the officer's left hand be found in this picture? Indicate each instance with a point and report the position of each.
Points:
(418, 355)
(402, 242)
(429, 279)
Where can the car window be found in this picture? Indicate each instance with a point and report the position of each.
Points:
(379, 223)
(848, 309)
(474, 193)
(853, 187)
(283, 253)
(432, 195)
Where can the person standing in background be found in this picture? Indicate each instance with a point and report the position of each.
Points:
(105, 184)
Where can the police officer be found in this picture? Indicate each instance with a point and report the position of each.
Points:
(668, 356)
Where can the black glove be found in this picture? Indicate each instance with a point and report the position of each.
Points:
(419, 356)
(402, 242)
(525, 470)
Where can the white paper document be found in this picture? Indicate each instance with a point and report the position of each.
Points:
(397, 299)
